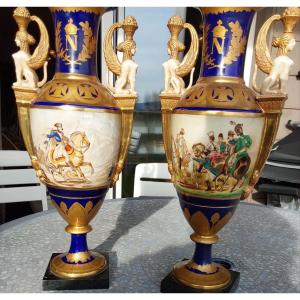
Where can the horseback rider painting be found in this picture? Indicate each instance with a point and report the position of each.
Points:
(65, 155)
(62, 141)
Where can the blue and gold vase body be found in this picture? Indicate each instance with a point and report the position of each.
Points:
(76, 132)
(216, 130)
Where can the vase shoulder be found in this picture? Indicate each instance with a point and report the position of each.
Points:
(218, 92)
(77, 90)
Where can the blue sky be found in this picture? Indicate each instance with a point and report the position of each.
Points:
(151, 39)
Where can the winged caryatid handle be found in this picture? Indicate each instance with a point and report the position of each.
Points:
(124, 89)
(125, 70)
(27, 83)
(174, 69)
(277, 69)
(25, 63)
(271, 94)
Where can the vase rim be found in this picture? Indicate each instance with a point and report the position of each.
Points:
(95, 10)
(218, 10)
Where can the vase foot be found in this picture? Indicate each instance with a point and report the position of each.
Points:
(78, 265)
(171, 285)
(52, 282)
(212, 277)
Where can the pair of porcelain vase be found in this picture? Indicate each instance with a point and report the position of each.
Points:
(217, 133)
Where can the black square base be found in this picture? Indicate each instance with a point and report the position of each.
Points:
(99, 281)
(171, 285)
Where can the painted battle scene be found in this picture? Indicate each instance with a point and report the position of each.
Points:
(218, 164)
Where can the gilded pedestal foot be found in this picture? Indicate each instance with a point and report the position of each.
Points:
(186, 273)
(62, 268)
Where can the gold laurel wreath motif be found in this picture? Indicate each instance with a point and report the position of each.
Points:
(237, 46)
(206, 56)
(89, 42)
(61, 53)
(88, 48)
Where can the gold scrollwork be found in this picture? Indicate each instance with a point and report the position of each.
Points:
(88, 47)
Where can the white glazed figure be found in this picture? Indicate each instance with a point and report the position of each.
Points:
(173, 67)
(25, 63)
(174, 84)
(125, 84)
(276, 80)
(26, 77)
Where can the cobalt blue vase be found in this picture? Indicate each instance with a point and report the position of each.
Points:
(74, 120)
(212, 135)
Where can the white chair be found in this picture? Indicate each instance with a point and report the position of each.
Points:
(19, 184)
(153, 179)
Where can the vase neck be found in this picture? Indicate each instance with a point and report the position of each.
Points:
(226, 32)
(76, 33)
